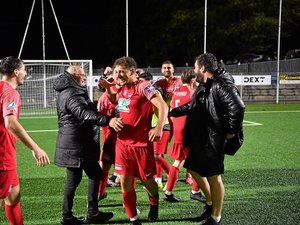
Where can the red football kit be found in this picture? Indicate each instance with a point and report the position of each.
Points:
(168, 88)
(134, 155)
(109, 135)
(9, 105)
(181, 96)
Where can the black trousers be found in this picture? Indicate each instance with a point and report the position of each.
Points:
(74, 177)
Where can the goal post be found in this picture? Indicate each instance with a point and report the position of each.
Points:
(37, 94)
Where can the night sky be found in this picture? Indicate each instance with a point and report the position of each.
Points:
(81, 23)
(91, 29)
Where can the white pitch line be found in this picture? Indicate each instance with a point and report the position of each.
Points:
(289, 111)
(41, 131)
(36, 117)
(250, 123)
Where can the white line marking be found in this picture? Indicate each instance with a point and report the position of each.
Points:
(37, 117)
(41, 131)
(250, 123)
(290, 111)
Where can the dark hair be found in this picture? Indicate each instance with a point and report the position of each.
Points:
(9, 64)
(126, 62)
(208, 60)
(167, 62)
(146, 75)
(187, 76)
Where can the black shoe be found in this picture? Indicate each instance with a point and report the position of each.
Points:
(206, 212)
(172, 198)
(198, 196)
(211, 221)
(100, 217)
(72, 220)
(153, 213)
(136, 222)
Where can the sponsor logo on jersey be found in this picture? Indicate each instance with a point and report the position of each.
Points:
(123, 104)
(150, 88)
(11, 105)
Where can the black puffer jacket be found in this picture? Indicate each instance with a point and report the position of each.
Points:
(78, 121)
(224, 110)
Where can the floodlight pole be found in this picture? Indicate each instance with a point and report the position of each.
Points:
(44, 54)
(26, 30)
(278, 53)
(127, 32)
(43, 29)
(205, 25)
(43, 40)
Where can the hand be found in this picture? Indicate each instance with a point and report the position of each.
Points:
(116, 124)
(229, 136)
(105, 83)
(108, 70)
(41, 157)
(155, 134)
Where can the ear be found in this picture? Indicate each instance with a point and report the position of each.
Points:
(16, 72)
(132, 71)
(202, 68)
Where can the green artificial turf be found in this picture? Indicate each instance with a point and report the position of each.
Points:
(262, 180)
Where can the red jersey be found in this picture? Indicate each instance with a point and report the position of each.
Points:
(109, 109)
(181, 96)
(9, 105)
(168, 88)
(105, 106)
(136, 110)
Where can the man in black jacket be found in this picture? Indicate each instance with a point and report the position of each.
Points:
(77, 146)
(214, 115)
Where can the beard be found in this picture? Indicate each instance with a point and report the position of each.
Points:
(199, 77)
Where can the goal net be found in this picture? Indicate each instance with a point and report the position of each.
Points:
(37, 94)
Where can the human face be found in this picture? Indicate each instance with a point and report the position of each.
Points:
(198, 70)
(20, 75)
(167, 70)
(124, 76)
(80, 77)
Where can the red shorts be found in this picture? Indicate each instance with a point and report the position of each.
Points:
(161, 147)
(135, 161)
(8, 180)
(108, 153)
(177, 151)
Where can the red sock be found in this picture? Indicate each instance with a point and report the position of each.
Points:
(195, 186)
(129, 200)
(14, 214)
(102, 185)
(154, 200)
(173, 177)
(165, 165)
(158, 168)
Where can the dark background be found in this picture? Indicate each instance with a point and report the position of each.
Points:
(158, 29)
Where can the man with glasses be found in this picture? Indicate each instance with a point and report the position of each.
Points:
(78, 147)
